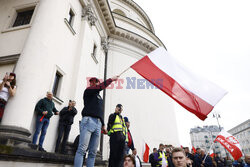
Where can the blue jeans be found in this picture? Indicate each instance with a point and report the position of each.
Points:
(40, 126)
(126, 149)
(90, 131)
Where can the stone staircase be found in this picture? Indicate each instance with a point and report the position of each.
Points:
(26, 156)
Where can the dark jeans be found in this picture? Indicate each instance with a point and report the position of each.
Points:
(2, 106)
(126, 149)
(64, 130)
(117, 147)
(40, 126)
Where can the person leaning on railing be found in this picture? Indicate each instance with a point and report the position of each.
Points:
(7, 89)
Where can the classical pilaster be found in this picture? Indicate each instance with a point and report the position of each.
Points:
(32, 78)
(88, 14)
(105, 44)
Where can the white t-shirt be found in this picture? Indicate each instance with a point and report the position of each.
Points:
(164, 161)
(137, 161)
(4, 93)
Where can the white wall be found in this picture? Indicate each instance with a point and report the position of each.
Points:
(12, 40)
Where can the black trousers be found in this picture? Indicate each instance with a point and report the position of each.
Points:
(63, 130)
(117, 149)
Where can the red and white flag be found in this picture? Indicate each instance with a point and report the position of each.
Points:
(230, 143)
(145, 152)
(211, 153)
(194, 93)
(194, 150)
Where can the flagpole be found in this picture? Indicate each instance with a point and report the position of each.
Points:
(124, 71)
(208, 152)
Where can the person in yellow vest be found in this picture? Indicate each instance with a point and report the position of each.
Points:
(160, 157)
(117, 131)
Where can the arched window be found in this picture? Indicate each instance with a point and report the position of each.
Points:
(119, 11)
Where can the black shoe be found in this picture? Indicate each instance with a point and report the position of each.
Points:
(33, 146)
(64, 152)
(41, 149)
(56, 151)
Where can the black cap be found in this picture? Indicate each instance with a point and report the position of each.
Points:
(94, 79)
(126, 119)
(119, 105)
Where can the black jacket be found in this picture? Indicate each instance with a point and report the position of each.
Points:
(132, 147)
(219, 161)
(45, 105)
(67, 116)
(208, 161)
(197, 160)
(93, 103)
(190, 156)
(152, 160)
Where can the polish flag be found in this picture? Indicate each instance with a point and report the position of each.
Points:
(211, 153)
(194, 150)
(194, 93)
(145, 152)
(230, 143)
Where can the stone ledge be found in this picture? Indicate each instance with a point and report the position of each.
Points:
(9, 153)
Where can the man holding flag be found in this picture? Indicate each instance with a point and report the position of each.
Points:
(92, 121)
(206, 160)
(44, 108)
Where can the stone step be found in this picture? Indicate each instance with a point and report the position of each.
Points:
(14, 156)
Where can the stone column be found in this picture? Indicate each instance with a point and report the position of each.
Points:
(32, 72)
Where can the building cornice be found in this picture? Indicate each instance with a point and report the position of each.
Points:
(9, 59)
(243, 123)
(138, 25)
(117, 32)
(141, 11)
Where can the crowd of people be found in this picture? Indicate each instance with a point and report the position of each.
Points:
(44, 110)
(92, 125)
(166, 156)
(118, 129)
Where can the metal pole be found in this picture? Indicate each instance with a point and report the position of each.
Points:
(208, 152)
(105, 48)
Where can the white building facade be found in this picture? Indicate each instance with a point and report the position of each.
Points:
(242, 133)
(57, 45)
(203, 137)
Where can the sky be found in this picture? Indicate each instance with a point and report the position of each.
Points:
(212, 39)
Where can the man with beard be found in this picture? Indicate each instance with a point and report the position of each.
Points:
(92, 122)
